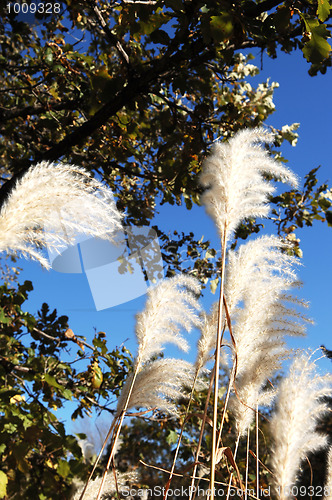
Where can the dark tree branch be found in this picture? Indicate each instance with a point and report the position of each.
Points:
(9, 114)
(266, 5)
(138, 84)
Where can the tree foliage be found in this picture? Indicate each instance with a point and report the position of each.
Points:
(135, 91)
(43, 366)
(159, 80)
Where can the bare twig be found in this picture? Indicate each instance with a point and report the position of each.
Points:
(111, 37)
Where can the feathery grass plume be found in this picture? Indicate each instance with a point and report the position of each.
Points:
(158, 385)
(300, 406)
(171, 305)
(264, 258)
(207, 340)
(264, 320)
(122, 481)
(328, 481)
(258, 274)
(233, 176)
(259, 333)
(50, 205)
(236, 189)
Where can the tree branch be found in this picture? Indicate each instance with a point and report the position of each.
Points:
(9, 114)
(257, 9)
(111, 37)
(137, 84)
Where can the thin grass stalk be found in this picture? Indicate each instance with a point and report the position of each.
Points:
(217, 364)
(118, 420)
(180, 437)
(116, 437)
(201, 434)
(230, 384)
(247, 465)
(191, 497)
(111, 456)
(98, 458)
(257, 454)
(231, 476)
(232, 375)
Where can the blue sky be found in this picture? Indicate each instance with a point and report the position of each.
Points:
(299, 98)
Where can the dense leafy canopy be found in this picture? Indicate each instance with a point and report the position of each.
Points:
(136, 92)
(43, 366)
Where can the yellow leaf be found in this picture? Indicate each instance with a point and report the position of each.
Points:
(3, 484)
(17, 399)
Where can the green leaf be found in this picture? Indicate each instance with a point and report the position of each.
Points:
(317, 48)
(3, 484)
(213, 285)
(324, 203)
(50, 380)
(3, 318)
(328, 216)
(100, 79)
(221, 26)
(172, 437)
(10, 428)
(323, 9)
(210, 253)
(27, 286)
(49, 56)
(282, 18)
(67, 394)
(63, 468)
(97, 376)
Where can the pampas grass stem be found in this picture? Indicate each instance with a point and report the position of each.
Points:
(217, 365)
(257, 451)
(247, 465)
(200, 439)
(231, 476)
(180, 438)
(97, 459)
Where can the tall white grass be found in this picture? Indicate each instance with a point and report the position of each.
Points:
(172, 305)
(207, 339)
(234, 182)
(171, 308)
(262, 258)
(159, 385)
(300, 406)
(259, 275)
(50, 205)
(236, 188)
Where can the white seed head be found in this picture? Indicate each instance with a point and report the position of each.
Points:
(171, 307)
(234, 182)
(299, 407)
(50, 205)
